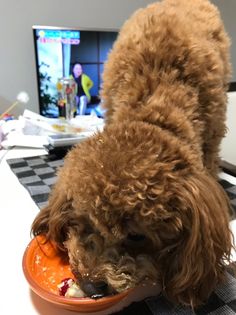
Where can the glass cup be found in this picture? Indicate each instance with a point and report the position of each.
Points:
(66, 88)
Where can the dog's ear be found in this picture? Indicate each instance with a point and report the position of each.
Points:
(52, 221)
(193, 267)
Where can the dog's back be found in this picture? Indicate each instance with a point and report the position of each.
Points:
(172, 58)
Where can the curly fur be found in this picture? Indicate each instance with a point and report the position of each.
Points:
(152, 171)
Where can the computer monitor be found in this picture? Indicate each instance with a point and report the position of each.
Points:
(57, 50)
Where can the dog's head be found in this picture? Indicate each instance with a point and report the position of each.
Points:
(131, 206)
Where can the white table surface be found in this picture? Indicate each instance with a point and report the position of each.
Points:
(18, 211)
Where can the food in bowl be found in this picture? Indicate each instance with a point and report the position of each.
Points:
(69, 288)
(44, 271)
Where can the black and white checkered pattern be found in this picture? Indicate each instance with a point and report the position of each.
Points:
(221, 302)
(38, 174)
(231, 192)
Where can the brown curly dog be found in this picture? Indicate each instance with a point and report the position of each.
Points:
(139, 202)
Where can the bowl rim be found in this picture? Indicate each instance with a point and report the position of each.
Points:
(62, 300)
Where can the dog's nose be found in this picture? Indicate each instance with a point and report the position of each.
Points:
(94, 289)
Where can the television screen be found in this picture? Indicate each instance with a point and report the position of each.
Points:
(71, 53)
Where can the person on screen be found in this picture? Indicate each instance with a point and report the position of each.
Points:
(84, 84)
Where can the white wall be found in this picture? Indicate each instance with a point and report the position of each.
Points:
(227, 9)
(228, 147)
(17, 64)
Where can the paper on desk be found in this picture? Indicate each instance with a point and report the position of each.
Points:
(42, 125)
(88, 122)
(32, 130)
(21, 140)
(36, 124)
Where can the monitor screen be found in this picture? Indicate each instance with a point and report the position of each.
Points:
(66, 53)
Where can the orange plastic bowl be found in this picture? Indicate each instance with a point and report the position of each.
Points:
(44, 270)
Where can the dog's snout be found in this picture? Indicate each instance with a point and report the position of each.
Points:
(94, 289)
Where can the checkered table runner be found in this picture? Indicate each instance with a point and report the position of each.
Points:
(221, 302)
(38, 175)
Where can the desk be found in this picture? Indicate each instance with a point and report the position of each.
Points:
(18, 211)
